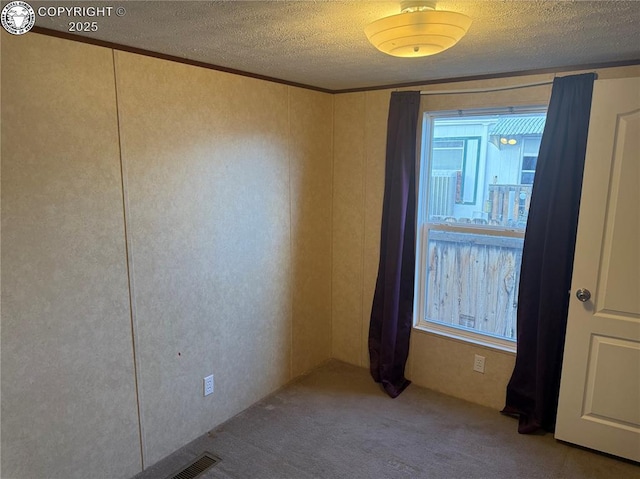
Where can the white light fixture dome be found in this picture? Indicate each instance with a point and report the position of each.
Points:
(418, 31)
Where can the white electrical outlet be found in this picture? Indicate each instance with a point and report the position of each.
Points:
(208, 385)
(478, 364)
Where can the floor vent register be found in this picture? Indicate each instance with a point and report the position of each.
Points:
(197, 467)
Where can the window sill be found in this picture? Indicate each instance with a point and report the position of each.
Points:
(467, 336)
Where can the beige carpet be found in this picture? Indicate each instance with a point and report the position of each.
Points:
(337, 423)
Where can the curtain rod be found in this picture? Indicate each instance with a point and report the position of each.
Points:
(485, 90)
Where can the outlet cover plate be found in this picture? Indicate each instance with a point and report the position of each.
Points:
(208, 385)
(478, 364)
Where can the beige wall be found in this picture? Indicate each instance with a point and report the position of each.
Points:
(68, 389)
(225, 216)
(359, 154)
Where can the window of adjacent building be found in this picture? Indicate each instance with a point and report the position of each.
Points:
(530, 149)
(477, 173)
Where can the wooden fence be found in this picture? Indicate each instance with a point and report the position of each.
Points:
(473, 281)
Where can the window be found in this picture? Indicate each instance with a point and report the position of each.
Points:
(528, 169)
(530, 150)
(477, 173)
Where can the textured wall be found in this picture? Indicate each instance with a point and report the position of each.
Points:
(227, 193)
(206, 164)
(359, 154)
(207, 159)
(347, 231)
(311, 153)
(68, 389)
(360, 141)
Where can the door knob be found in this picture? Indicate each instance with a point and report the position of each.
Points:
(583, 295)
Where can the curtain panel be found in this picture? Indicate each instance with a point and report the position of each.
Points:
(392, 310)
(547, 259)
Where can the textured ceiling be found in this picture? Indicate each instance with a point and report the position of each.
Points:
(322, 44)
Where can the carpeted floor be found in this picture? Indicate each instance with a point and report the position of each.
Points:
(337, 423)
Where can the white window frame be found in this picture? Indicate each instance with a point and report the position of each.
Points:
(422, 230)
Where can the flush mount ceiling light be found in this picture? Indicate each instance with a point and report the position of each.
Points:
(418, 31)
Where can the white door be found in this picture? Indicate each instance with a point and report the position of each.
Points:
(599, 404)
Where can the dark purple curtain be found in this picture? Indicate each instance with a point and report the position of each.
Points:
(392, 311)
(547, 259)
